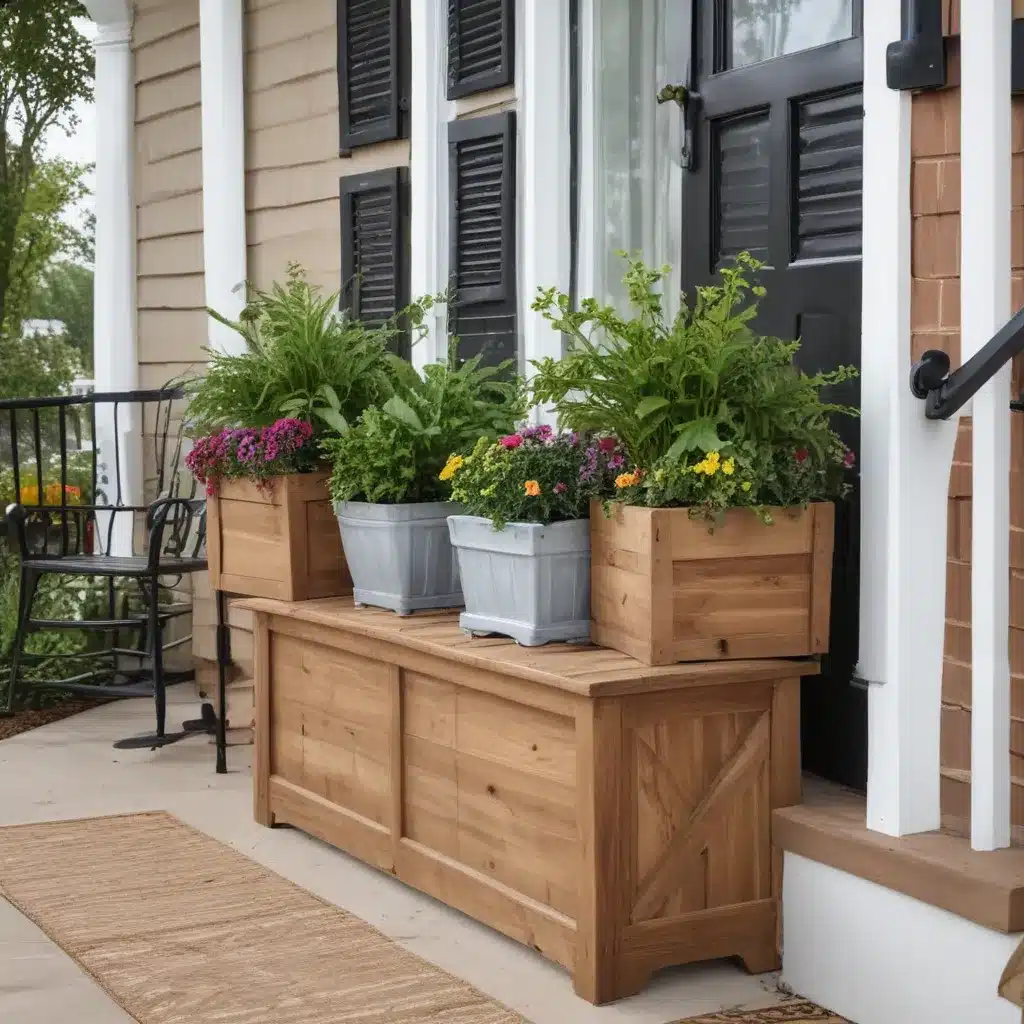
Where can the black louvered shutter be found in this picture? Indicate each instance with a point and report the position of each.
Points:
(481, 45)
(375, 246)
(482, 183)
(373, 71)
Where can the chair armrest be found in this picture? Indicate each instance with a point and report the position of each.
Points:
(158, 515)
(16, 514)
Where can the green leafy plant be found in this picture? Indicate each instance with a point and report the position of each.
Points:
(303, 359)
(397, 450)
(700, 390)
(533, 476)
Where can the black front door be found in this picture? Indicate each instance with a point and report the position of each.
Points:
(776, 170)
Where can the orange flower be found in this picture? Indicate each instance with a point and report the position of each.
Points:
(628, 479)
(532, 488)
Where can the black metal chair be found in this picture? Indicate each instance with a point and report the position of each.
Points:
(90, 528)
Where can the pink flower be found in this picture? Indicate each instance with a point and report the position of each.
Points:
(561, 488)
(801, 454)
(511, 441)
(849, 459)
(607, 444)
(616, 462)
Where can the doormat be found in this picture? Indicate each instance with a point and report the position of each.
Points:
(796, 1012)
(180, 929)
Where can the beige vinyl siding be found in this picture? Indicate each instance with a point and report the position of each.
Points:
(292, 163)
(168, 189)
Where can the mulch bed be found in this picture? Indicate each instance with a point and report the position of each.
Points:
(23, 721)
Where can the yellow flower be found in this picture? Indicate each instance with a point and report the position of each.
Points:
(746, 485)
(532, 488)
(451, 467)
(729, 467)
(627, 479)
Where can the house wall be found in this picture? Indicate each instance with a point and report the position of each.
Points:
(292, 164)
(168, 189)
(935, 318)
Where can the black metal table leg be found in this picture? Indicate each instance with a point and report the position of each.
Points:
(223, 661)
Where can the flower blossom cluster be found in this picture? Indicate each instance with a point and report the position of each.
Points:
(252, 452)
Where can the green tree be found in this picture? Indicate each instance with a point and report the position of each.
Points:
(46, 66)
(66, 294)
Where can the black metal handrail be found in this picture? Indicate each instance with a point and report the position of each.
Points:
(946, 393)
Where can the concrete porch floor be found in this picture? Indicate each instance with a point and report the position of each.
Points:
(69, 770)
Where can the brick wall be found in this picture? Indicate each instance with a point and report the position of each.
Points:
(935, 323)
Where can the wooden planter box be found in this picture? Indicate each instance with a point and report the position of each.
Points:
(281, 541)
(664, 589)
(612, 816)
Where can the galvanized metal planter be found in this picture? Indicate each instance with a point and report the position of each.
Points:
(529, 581)
(400, 556)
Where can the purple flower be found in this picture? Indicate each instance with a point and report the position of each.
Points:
(617, 461)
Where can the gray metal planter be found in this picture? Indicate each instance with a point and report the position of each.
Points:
(527, 581)
(400, 556)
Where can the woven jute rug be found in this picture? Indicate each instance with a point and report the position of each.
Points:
(180, 929)
(794, 1012)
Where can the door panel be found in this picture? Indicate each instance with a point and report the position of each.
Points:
(777, 171)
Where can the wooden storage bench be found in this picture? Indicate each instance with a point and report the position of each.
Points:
(614, 816)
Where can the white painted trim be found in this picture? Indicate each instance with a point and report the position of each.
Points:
(876, 956)
(905, 462)
(985, 303)
(587, 262)
(222, 52)
(545, 152)
(116, 351)
(429, 170)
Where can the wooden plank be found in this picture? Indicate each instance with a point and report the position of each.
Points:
(821, 576)
(396, 743)
(935, 867)
(506, 664)
(365, 839)
(262, 734)
(600, 918)
(786, 782)
(747, 931)
(540, 927)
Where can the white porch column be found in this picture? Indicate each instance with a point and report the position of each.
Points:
(222, 52)
(905, 462)
(116, 354)
(985, 304)
(546, 151)
(428, 170)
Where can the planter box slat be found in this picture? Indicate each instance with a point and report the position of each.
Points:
(613, 816)
(666, 588)
(281, 541)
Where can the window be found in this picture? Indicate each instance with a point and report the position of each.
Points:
(631, 180)
(375, 247)
(482, 234)
(373, 71)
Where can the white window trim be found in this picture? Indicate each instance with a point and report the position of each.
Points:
(428, 171)
(545, 149)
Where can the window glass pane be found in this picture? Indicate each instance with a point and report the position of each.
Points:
(634, 198)
(762, 29)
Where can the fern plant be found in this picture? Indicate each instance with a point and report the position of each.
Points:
(703, 383)
(302, 359)
(397, 450)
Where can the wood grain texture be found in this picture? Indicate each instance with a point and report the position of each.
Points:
(281, 541)
(935, 867)
(617, 833)
(665, 588)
